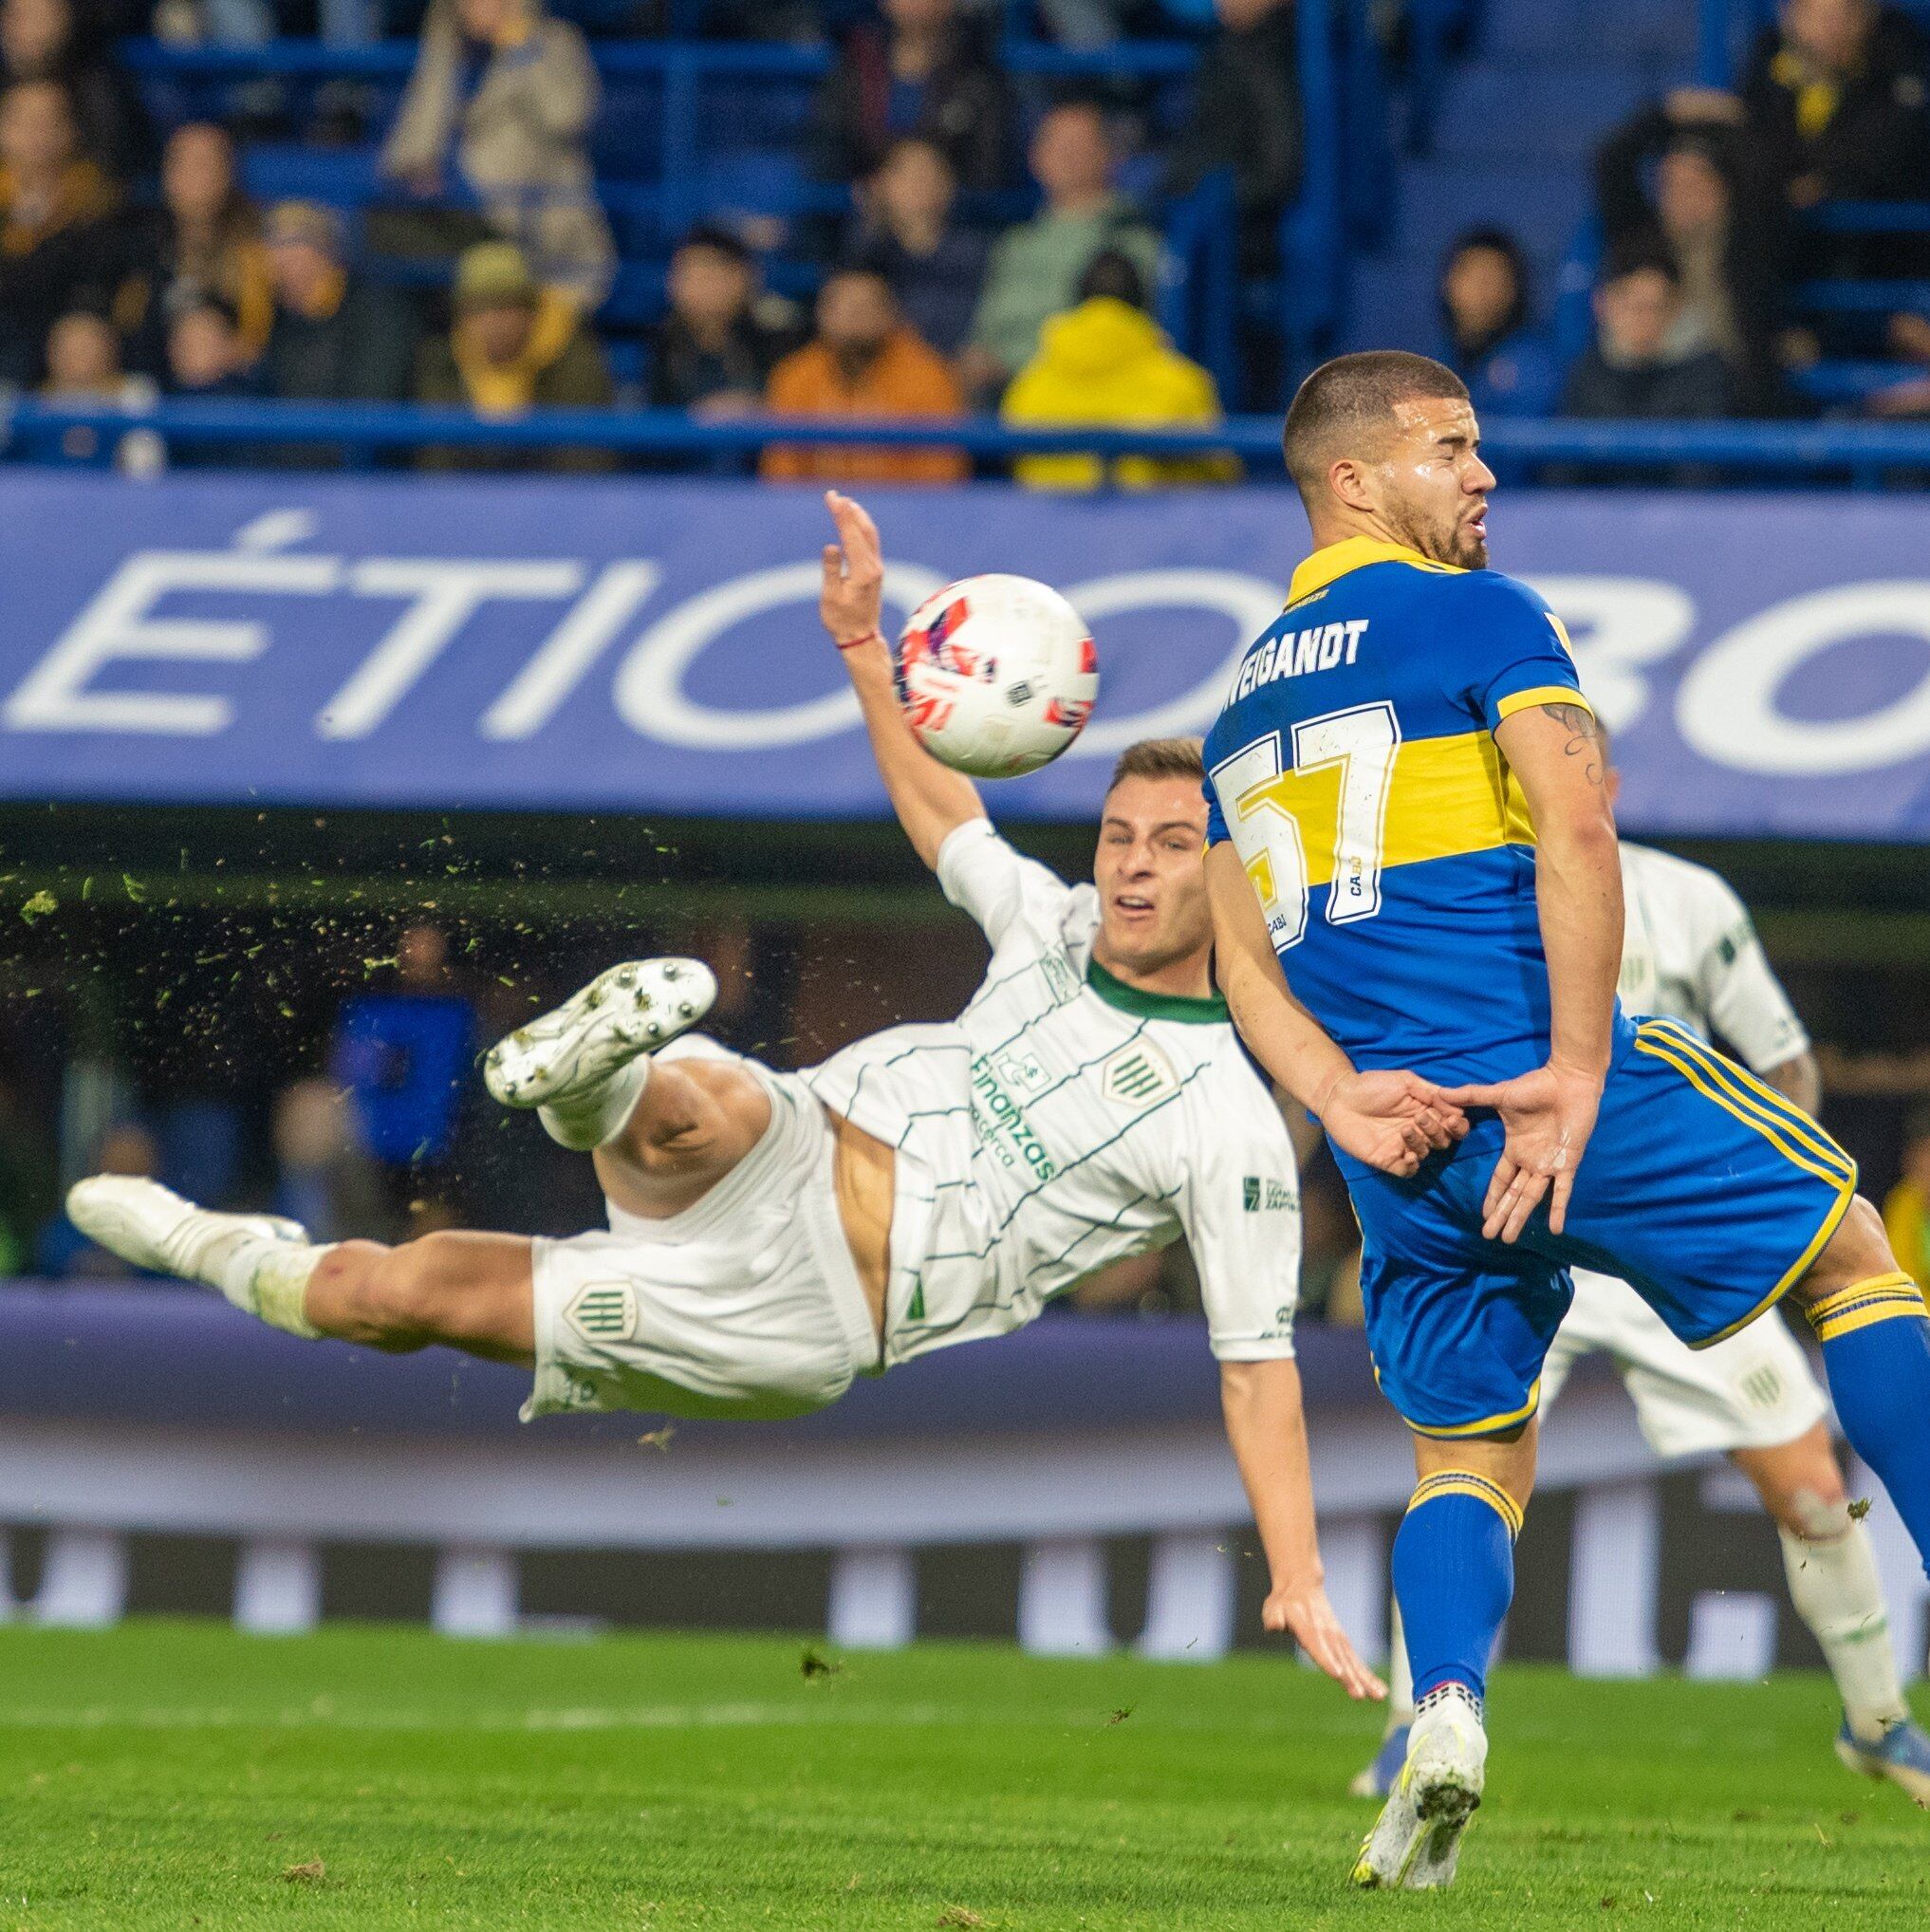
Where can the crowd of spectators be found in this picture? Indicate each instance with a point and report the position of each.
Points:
(1701, 201)
(134, 264)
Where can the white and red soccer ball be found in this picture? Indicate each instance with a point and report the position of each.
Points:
(996, 675)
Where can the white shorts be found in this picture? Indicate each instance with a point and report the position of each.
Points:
(1755, 1390)
(747, 1303)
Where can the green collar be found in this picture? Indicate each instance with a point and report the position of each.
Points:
(1209, 1012)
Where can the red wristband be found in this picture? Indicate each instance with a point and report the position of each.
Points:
(869, 637)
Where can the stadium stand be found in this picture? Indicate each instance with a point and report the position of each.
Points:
(1396, 131)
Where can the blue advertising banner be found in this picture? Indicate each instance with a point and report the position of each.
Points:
(652, 646)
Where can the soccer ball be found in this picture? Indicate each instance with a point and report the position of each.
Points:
(996, 675)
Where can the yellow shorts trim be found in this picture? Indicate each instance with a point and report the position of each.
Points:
(1796, 1271)
(1761, 1098)
(1883, 1298)
(1781, 1133)
(1542, 694)
(1489, 1425)
(1469, 1482)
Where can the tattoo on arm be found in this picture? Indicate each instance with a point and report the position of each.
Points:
(1585, 739)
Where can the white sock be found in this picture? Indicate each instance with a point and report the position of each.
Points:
(262, 1277)
(1833, 1585)
(1400, 1678)
(600, 1112)
(1447, 1697)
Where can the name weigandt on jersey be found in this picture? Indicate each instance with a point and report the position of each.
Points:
(1293, 654)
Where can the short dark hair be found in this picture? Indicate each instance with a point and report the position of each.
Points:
(1114, 273)
(719, 240)
(1354, 396)
(1492, 241)
(1161, 758)
(1636, 258)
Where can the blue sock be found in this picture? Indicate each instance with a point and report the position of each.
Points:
(1876, 1349)
(1454, 1577)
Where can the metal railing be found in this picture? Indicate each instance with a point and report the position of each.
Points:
(1868, 454)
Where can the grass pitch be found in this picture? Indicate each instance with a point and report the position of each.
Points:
(172, 1775)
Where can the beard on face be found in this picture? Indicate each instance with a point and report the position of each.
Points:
(1455, 543)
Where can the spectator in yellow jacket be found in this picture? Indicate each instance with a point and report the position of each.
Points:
(1105, 362)
(1906, 1208)
(515, 346)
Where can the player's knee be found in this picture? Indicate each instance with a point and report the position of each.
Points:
(1858, 1250)
(1800, 1485)
(714, 1116)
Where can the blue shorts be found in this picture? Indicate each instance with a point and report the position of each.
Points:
(1703, 1188)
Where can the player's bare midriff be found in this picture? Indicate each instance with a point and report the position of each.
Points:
(864, 1170)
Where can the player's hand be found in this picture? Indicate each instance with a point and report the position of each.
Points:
(852, 601)
(1547, 1116)
(1304, 1613)
(1390, 1120)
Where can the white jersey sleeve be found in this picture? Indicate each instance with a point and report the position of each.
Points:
(1734, 982)
(1240, 1205)
(980, 874)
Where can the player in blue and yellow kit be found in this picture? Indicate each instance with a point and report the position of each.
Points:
(1408, 814)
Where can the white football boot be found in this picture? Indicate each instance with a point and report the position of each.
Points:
(1417, 1836)
(632, 1009)
(152, 1227)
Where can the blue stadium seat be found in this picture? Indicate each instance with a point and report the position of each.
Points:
(287, 171)
(200, 1143)
(628, 142)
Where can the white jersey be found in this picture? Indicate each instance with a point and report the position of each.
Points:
(1689, 952)
(1063, 1121)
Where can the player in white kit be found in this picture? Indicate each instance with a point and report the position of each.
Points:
(771, 1235)
(1690, 952)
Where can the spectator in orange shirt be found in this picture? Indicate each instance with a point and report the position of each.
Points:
(864, 362)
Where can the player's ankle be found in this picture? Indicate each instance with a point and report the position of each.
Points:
(596, 1117)
(1872, 1726)
(1448, 1698)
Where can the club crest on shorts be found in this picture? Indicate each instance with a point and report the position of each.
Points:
(1761, 1385)
(1137, 1075)
(603, 1311)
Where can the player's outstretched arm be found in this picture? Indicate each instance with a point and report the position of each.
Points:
(1267, 1427)
(1555, 752)
(1390, 1120)
(931, 799)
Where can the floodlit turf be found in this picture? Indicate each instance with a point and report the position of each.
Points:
(177, 1775)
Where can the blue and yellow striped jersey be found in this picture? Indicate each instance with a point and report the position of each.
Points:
(1354, 767)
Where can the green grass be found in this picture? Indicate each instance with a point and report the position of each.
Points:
(171, 1775)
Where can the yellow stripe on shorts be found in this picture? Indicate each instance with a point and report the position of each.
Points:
(1757, 1094)
(1488, 1425)
(1829, 1165)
